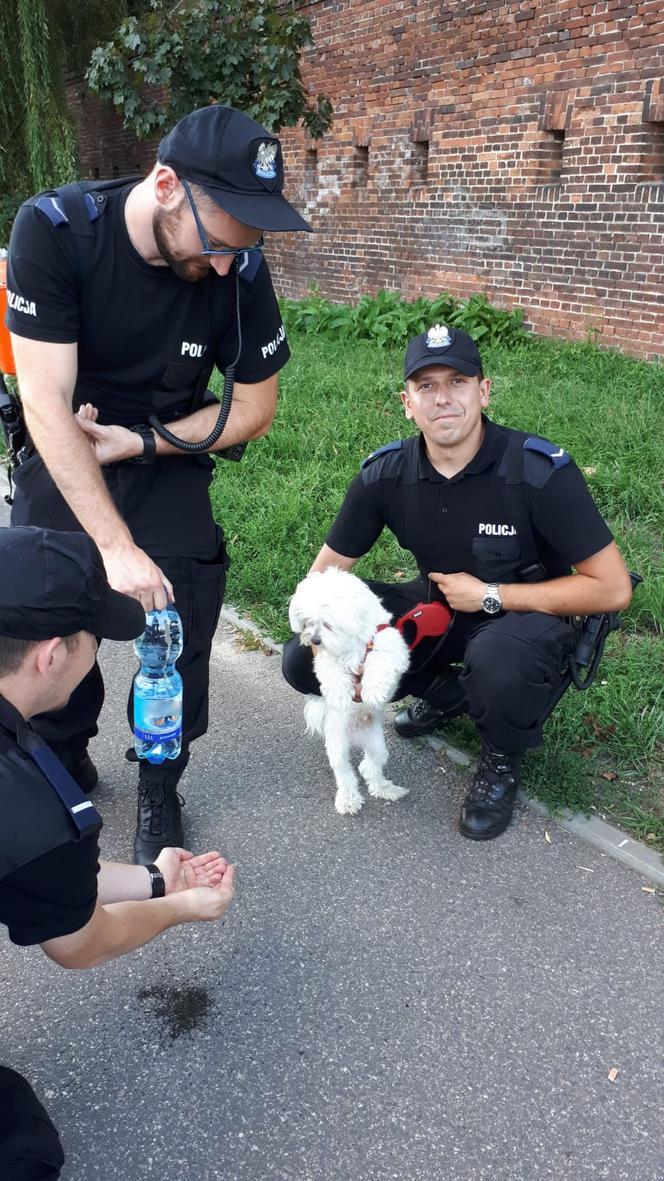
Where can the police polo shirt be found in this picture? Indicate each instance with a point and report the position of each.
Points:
(51, 887)
(462, 524)
(144, 335)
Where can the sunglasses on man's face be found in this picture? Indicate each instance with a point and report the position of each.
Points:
(206, 248)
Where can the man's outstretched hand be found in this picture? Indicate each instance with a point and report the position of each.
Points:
(183, 871)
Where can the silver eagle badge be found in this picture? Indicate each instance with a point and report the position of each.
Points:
(264, 164)
(438, 337)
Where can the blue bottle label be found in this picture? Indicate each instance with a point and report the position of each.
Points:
(157, 735)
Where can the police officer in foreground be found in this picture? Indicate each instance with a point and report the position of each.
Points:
(54, 602)
(123, 296)
(496, 520)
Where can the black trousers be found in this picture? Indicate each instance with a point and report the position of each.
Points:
(30, 1148)
(167, 508)
(510, 668)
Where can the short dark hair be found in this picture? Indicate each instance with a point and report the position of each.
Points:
(13, 652)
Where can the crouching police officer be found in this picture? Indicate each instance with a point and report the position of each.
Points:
(496, 520)
(54, 601)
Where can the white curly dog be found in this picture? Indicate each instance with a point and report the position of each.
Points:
(349, 627)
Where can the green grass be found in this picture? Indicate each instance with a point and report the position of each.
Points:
(338, 401)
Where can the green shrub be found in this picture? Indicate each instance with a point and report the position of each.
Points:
(386, 319)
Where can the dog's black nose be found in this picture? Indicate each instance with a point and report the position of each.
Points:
(315, 639)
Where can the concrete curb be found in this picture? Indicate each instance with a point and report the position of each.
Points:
(605, 837)
(241, 623)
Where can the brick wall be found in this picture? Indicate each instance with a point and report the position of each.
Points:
(105, 149)
(512, 148)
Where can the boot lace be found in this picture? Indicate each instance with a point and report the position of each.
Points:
(421, 711)
(494, 774)
(157, 803)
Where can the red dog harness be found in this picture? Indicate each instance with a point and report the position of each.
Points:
(423, 621)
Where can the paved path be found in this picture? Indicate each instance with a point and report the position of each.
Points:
(385, 1000)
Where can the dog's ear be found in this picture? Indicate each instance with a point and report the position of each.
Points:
(298, 606)
(294, 617)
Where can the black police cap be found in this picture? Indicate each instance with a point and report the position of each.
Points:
(443, 346)
(237, 162)
(54, 584)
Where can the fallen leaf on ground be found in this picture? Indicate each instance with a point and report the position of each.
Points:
(609, 775)
(613, 1074)
(590, 471)
(547, 838)
(648, 889)
(598, 729)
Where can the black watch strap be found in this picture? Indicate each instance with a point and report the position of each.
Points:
(157, 880)
(149, 443)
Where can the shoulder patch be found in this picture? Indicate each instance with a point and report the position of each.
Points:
(248, 265)
(556, 455)
(396, 446)
(52, 207)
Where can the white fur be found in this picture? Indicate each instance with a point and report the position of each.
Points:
(335, 610)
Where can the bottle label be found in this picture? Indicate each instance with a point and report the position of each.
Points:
(157, 735)
(157, 721)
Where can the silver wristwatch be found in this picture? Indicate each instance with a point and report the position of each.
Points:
(492, 602)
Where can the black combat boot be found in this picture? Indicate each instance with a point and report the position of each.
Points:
(159, 821)
(489, 804)
(76, 759)
(423, 717)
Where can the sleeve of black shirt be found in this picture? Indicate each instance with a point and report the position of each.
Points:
(42, 282)
(264, 346)
(359, 522)
(566, 517)
(53, 895)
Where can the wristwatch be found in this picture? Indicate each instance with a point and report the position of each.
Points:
(157, 881)
(149, 453)
(492, 602)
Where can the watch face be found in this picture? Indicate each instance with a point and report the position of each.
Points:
(490, 605)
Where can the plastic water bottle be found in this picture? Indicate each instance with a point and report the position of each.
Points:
(158, 688)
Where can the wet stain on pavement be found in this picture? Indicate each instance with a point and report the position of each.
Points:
(181, 1009)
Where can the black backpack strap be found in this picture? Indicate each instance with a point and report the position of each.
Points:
(80, 208)
(78, 205)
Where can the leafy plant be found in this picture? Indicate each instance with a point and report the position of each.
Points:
(40, 40)
(387, 320)
(174, 58)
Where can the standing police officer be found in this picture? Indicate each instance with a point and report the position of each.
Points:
(122, 298)
(54, 602)
(496, 520)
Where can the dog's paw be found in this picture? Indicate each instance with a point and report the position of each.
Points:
(387, 790)
(348, 803)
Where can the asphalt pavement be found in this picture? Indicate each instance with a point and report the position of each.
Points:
(384, 1000)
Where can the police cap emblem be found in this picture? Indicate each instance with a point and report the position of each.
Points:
(438, 337)
(263, 163)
